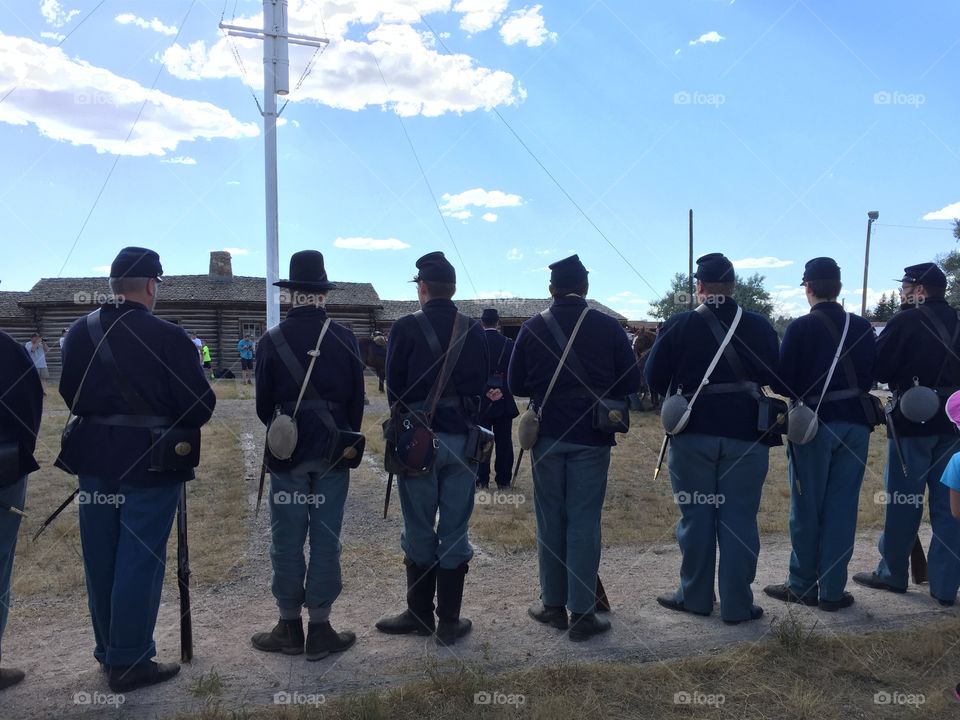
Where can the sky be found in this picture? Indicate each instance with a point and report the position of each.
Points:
(507, 134)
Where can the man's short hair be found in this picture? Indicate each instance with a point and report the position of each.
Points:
(580, 290)
(128, 285)
(825, 289)
(490, 324)
(719, 288)
(439, 290)
(934, 292)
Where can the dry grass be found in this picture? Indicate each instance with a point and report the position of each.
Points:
(638, 510)
(823, 678)
(216, 501)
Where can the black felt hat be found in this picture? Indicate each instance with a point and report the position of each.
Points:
(490, 315)
(307, 273)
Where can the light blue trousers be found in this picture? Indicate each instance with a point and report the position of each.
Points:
(13, 495)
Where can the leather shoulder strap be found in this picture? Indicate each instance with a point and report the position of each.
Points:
(458, 336)
(847, 363)
(561, 339)
(103, 351)
(729, 352)
(949, 341)
(294, 367)
(429, 333)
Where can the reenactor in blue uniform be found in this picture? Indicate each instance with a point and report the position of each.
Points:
(437, 551)
(141, 397)
(719, 461)
(571, 458)
(917, 356)
(308, 491)
(21, 406)
(826, 472)
(497, 406)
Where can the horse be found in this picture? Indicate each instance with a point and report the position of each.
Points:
(642, 344)
(373, 354)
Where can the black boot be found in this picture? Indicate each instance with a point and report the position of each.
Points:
(10, 677)
(586, 625)
(286, 637)
(418, 617)
(124, 678)
(554, 616)
(322, 640)
(449, 599)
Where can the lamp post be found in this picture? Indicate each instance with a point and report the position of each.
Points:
(871, 218)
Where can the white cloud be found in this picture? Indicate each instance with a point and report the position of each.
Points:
(73, 101)
(54, 13)
(233, 182)
(366, 243)
(479, 15)
(180, 160)
(237, 251)
(752, 263)
(709, 37)
(419, 79)
(526, 26)
(156, 25)
(494, 294)
(101, 268)
(459, 214)
(544, 252)
(477, 197)
(948, 213)
(489, 217)
(514, 254)
(629, 304)
(55, 36)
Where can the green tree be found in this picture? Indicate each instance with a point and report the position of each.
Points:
(885, 308)
(956, 229)
(950, 264)
(750, 294)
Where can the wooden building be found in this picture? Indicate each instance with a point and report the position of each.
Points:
(220, 307)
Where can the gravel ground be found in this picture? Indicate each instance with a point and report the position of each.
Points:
(56, 652)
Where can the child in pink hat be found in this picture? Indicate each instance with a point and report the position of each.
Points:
(951, 476)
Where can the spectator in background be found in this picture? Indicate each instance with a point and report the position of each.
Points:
(245, 348)
(63, 336)
(207, 361)
(198, 343)
(38, 349)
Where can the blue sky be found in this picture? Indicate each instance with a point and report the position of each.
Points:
(780, 123)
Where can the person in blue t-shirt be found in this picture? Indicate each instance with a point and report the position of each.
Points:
(245, 348)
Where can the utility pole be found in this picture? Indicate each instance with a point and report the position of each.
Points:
(690, 263)
(871, 218)
(276, 81)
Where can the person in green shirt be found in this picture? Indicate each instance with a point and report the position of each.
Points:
(207, 362)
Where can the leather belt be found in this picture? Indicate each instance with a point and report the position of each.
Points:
(138, 421)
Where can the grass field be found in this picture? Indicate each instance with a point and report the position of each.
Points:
(792, 675)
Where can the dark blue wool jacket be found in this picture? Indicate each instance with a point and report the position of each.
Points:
(807, 352)
(602, 349)
(160, 363)
(337, 377)
(683, 351)
(412, 367)
(909, 347)
(21, 401)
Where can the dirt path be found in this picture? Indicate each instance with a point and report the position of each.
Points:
(51, 638)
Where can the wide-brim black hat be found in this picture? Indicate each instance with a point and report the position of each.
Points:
(307, 273)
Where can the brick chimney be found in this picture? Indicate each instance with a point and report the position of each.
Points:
(221, 269)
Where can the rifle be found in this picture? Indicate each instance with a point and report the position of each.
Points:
(183, 580)
(386, 497)
(661, 456)
(263, 473)
(12, 509)
(56, 513)
(516, 468)
(602, 603)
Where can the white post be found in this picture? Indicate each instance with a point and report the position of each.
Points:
(276, 81)
(270, 159)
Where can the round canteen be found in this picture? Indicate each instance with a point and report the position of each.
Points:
(674, 413)
(802, 425)
(919, 404)
(282, 437)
